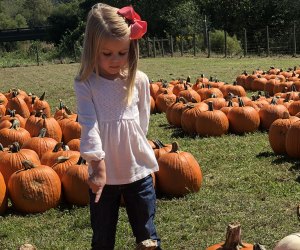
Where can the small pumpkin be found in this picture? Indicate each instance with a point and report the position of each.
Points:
(74, 183)
(42, 104)
(14, 134)
(211, 122)
(62, 163)
(40, 144)
(179, 173)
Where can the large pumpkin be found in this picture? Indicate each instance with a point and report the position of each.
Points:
(277, 132)
(3, 195)
(35, 188)
(179, 173)
(292, 140)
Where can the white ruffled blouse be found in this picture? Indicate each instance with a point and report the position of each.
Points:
(114, 131)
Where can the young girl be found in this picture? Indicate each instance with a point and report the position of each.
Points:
(113, 105)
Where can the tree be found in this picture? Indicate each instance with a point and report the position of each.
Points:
(64, 18)
(36, 12)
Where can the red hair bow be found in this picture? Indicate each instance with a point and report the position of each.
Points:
(138, 27)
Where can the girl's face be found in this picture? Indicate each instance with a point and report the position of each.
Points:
(113, 57)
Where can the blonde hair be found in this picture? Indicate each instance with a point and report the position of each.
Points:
(103, 22)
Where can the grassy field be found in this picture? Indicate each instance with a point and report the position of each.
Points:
(242, 178)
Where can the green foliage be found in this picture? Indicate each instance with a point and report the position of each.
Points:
(37, 11)
(64, 20)
(71, 42)
(183, 19)
(217, 39)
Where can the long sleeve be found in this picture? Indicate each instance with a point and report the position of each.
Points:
(144, 101)
(90, 143)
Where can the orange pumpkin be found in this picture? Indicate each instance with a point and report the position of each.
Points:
(3, 195)
(278, 130)
(211, 122)
(12, 158)
(62, 163)
(243, 119)
(40, 144)
(179, 173)
(14, 134)
(42, 104)
(34, 188)
(74, 182)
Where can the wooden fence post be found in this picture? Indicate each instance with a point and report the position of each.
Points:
(181, 45)
(225, 44)
(268, 42)
(294, 40)
(171, 45)
(208, 43)
(37, 53)
(194, 43)
(154, 49)
(245, 42)
(148, 46)
(162, 48)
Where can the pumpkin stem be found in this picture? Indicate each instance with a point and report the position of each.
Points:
(61, 105)
(68, 110)
(230, 103)
(81, 161)
(14, 147)
(241, 103)
(274, 101)
(1, 147)
(175, 147)
(210, 106)
(33, 99)
(182, 99)
(43, 96)
(258, 246)
(65, 147)
(42, 133)
(62, 159)
(233, 237)
(293, 88)
(15, 124)
(159, 144)
(27, 164)
(57, 146)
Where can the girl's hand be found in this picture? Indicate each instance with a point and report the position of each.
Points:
(97, 179)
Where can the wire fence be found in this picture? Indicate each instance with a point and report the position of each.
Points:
(266, 42)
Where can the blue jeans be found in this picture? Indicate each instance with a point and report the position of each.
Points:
(139, 198)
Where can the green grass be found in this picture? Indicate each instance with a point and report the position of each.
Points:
(242, 179)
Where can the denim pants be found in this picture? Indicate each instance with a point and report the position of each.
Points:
(139, 198)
